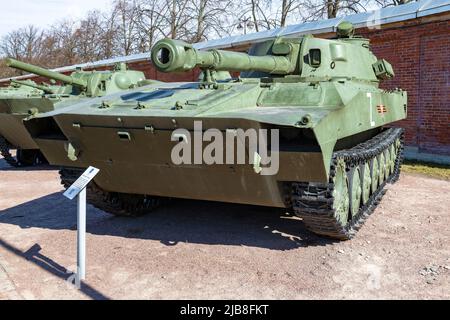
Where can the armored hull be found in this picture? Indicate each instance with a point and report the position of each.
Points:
(12, 112)
(328, 163)
(12, 132)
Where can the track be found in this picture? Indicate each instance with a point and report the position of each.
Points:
(322, 206)
(24, 158)
(119, 204)
(4, 150)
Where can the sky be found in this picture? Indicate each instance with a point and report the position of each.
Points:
(42, 13)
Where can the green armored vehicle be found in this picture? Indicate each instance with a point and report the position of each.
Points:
(25, 98)
(327, 160)
(18, 90)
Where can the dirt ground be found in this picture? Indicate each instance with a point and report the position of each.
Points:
(205, 250)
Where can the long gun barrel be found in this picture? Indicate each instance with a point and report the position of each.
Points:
(45, 73)
(174, 55)
(34, 85)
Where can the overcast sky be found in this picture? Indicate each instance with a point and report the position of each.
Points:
(19, 13)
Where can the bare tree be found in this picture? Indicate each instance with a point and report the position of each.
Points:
(267, 14)
(88, 37)
(328, 9)
(107, 37)
(32, 45)
(259, 11)
(207, 18)
(287, 7)
(24, 43)
(150, 23)
(11, 44)
(162, 18)
(125, 18)
(387, 3)
(61, 43)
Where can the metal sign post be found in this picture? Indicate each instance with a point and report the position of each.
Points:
(78, 189)
(81, 235)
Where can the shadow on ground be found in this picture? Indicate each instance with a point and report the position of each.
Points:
(4, 166)
(178, 221)
(33, 255)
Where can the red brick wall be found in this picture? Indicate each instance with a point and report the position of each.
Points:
(420, 54)
(152, 73)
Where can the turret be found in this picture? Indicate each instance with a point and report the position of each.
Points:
(87, 83)
(306, 58)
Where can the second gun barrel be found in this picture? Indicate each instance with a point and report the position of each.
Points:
(45, 73)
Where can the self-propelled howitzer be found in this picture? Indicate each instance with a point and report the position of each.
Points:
(41, 98)
(319, 99)
(87, 83)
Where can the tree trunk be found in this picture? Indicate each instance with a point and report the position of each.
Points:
(173, 20)
(200, 21)
(255, 20)
(284, 12)
(332, 8)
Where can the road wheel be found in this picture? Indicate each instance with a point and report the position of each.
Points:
(374, 173)
(341, 203)
(355, 190)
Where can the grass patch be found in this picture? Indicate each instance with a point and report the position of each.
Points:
(434, 170)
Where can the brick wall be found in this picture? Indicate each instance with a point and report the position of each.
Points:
(420, 54)
(419, 51)
(152, 73)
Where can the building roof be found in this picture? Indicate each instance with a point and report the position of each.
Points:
(370, 19)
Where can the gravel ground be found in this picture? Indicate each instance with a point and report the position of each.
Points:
(206, 250)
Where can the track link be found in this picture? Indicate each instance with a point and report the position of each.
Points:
(24, 158)
(4, 150)
(313, 202)
(119, 204)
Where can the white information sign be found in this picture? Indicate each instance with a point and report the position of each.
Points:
(81, 183)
